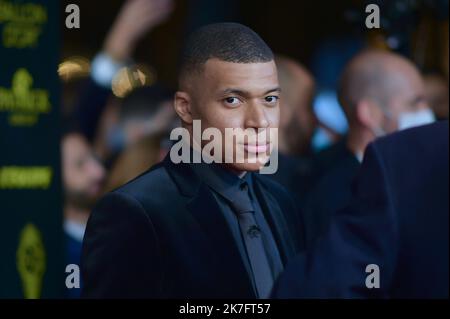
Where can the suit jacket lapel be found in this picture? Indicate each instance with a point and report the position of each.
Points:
(206, 211)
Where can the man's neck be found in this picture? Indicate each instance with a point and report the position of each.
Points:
(357, 140)
(240, 174)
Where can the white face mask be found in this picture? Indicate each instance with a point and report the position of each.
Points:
(378, 132)
(417, 118)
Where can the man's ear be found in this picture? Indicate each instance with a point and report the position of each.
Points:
(182, 104)
(369, 113)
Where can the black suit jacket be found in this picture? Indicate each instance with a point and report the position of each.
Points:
(329, 194)
(398, 220)
(163, 236)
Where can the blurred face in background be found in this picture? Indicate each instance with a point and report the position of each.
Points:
(83, 175)
(297, 119)
(235, 95)
(405, 105)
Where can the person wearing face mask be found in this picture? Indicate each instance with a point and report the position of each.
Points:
(380, 92)
(391, 241)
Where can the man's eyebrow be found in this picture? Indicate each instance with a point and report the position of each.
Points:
(235, 91)
(246, 93)
(277, 89)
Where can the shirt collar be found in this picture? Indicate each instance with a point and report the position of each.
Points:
(74, 229)
(221, 180)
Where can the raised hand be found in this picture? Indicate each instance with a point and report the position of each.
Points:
(135, 19)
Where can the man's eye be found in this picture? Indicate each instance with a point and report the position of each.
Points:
(271, 99)
(232, 100)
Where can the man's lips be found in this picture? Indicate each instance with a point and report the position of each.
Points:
(256, 148)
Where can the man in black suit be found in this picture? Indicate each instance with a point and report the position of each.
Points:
(198, 230)
(392, 242)
(378, 91)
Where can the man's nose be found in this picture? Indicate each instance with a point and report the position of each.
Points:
(96, 170)
(256, 117)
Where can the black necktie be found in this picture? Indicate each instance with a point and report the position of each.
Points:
(253, 242)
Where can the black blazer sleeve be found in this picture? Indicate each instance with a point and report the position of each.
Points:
(121, 256)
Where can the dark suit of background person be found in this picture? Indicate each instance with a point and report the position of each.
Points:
(398, 220)
(165, 235)
(372, 81)
(329, 193)
(294, 173)
(296, 129)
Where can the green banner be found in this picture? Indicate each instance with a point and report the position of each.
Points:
(31, 240)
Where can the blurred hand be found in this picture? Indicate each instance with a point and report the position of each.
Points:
(135, 19)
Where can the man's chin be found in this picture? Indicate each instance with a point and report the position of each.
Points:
(245, 167)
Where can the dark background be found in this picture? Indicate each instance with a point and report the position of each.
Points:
(294, 28)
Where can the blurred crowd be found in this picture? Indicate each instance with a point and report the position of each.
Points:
(323, 133)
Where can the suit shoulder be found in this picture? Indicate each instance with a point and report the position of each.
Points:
(153, 180)
(425, 138)
(148, 192)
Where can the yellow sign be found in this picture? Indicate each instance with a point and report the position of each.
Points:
(31, 261)
(18, 177)
(23, 23)
(23, 102)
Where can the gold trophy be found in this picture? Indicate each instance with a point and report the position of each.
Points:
(31, 261)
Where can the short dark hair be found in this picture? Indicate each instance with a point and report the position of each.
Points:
(229, 42)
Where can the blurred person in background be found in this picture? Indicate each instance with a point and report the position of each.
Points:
(381, 92)
(297, 119)
(83, 178)
(145, 118)
(84, 175)
(392, 240)
(328, 60)
(135, 19)
(437, 94)
(297, 125)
